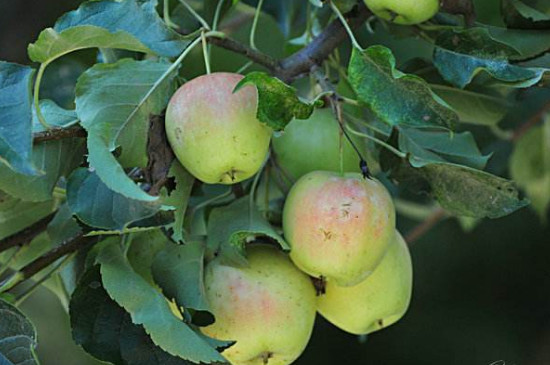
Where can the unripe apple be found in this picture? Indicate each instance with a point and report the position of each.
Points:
(338, 226)
(404, 11)
(313, 144)
(268, 308)
(378, 301)
(214, 132)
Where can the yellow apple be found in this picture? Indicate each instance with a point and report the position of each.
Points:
(268, 308)
(214, 132)
(338, 226)
(404, 11)
(377, 302)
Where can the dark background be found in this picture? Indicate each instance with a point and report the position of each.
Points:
(479, 297)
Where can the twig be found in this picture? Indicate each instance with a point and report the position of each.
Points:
(53, 134)
(257, 56)
(27, 234)
(424, 227)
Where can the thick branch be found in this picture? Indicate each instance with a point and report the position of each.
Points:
(59, 133)
(322, 46)
(27, 234)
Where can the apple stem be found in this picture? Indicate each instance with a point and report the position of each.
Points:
(254, 24)
(195, 14)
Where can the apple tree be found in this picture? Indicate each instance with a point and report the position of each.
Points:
(148, 189)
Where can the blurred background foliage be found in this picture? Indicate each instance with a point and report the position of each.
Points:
(480, 296)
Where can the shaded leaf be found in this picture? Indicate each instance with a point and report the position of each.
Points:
(518, 14)
(278, 103)
(149, 308)
(105, 330)
(114, 102)
(143, 248)
(16, 117)
(178, 269)
(128, 24)
(530, 166)
(232, 226)
(17, 337)
(528, 42)
(394, 97)
(54, 115)
(16, 214)
(98, 206)
(461, 55)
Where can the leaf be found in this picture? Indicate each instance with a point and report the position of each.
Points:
(473, 107)
(54, 115)
(128, 24)
(278, 103)
(16, 214)
(529, 43)
(460, 55)
(473, 193)
(16, 117)
(17, 337)
(113, 102)
(232, 226)
(428, 146)
(394, 97)
(144, 246)
(530, 166)
(105, 330)
(178, 269)
(53, 159)
(149, 308)
(179, 197)
(517, 14)
(98, 206)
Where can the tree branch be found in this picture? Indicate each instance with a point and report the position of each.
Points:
(254, 55)
(59, 133)
(522, 129)
(424, 227)
(27, 234)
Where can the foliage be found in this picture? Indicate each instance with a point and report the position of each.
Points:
(448, 119)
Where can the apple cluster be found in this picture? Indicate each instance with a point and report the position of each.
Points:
(340, 227)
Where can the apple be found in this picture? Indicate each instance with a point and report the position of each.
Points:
(404, 11)
(338, 226)
(313, 144)
(214, 132)
(377, 302)
(268, 308)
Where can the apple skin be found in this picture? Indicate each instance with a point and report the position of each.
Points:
(268, 308)
(313, 144)
(377, 302)
(404, 12)
(214, 132)
(338, 226)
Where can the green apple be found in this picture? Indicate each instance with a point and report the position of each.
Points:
(338, 226)
(268, 308)
(377, 302)
(404, 11)
(313, 144)
(214, 132)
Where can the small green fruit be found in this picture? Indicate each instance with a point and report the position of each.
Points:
(214, 132)
(313, 144)
(268, 308)
(404, 11)
(338, 226)
(377, 302)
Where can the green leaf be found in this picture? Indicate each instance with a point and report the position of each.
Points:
(473, 193)
(98, 206)
(149, 308)
(16, 214)
(426, 146)
(179, 197)
(517, 14)
(178, 269)
(530, 166)
(55, 116)
(128, 24)
(278, 103)
(529, 43)
(53, 159)
(232, 226)
(394, 97)
(113, 102)
(105, 330)
(473, 107)
(144, 246)
(460, 55)
(17, 337)
(16, 117)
